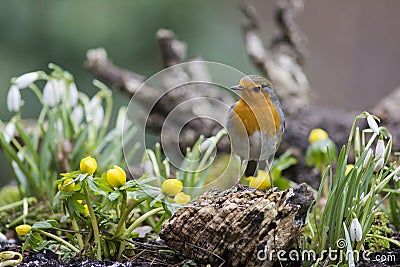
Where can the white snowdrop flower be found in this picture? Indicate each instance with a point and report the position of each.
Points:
(363, 198)
(94, 110)
(14, 99)
(51, 93)
(72, 95)
(9, 131)
(355, 230)
(98, 116)
(367, 157)
(93, 104)
(372, 124)
(59, 126)
(396, 177)
(26, 79)
(380, 149)
(379, 165)
(77, 115)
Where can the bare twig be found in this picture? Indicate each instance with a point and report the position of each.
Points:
(100, 65)
(172, 50)
(281, 63)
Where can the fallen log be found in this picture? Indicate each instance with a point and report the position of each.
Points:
(239, 226)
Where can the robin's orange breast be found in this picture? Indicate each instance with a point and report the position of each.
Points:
(257, 115)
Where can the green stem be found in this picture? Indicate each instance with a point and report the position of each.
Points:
(94, 223)
(18, 203)
(133, 226)
(124, 215)
(78, 235)
(62, 241)
(141, 219)
(384, 238)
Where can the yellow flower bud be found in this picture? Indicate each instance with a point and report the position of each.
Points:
(66, 185)
(23, 229)
(182, 198)
(317, 134)
(85, 213)
(349, 167)
(171, 187)
(261, 182)
(88, 165)
(116, 177)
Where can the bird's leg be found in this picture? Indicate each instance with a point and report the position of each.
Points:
(240, 171)
(269, 173)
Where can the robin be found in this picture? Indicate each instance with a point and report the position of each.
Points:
(255, 123)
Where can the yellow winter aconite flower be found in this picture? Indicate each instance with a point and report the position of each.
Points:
(66, 185)
(116, 177)
(317, 134)
(349, 167)
(85, 213)
(23, 229)
(261, 182)
(88, 165)
(182, 198)
(171, 187)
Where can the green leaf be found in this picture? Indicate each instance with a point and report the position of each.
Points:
(156, 199)
(114, 195)
(93, 186)
(42, 225)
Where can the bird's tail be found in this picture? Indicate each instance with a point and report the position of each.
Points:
(251, 168)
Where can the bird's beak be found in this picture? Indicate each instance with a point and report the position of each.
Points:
(237, 87)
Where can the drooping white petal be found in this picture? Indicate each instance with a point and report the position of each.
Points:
(59, 126)
(26, 79)
(372, 124)
(51, 93)
(367, 157)
(77, 114)
(94, 103)
(355, 230)
(380, 149)
(72, 94)
(379, 165)
(98, 116)
(9, 131)
(14, 99)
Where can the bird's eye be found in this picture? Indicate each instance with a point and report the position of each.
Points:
(257, 88)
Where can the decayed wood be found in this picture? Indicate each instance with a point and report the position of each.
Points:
(234, 225)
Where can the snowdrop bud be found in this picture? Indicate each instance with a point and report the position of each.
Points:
(9, 131)
(26, 79)
(73, 95)
(59, 126)
(379, 165)
(93, 104)
(98, 116)
(372, 124)
(380, 149)
(355, 230)
(367, 157)
(77, 115)
(51, 93)
(14, 99)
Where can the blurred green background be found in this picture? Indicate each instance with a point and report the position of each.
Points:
(353, 55)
